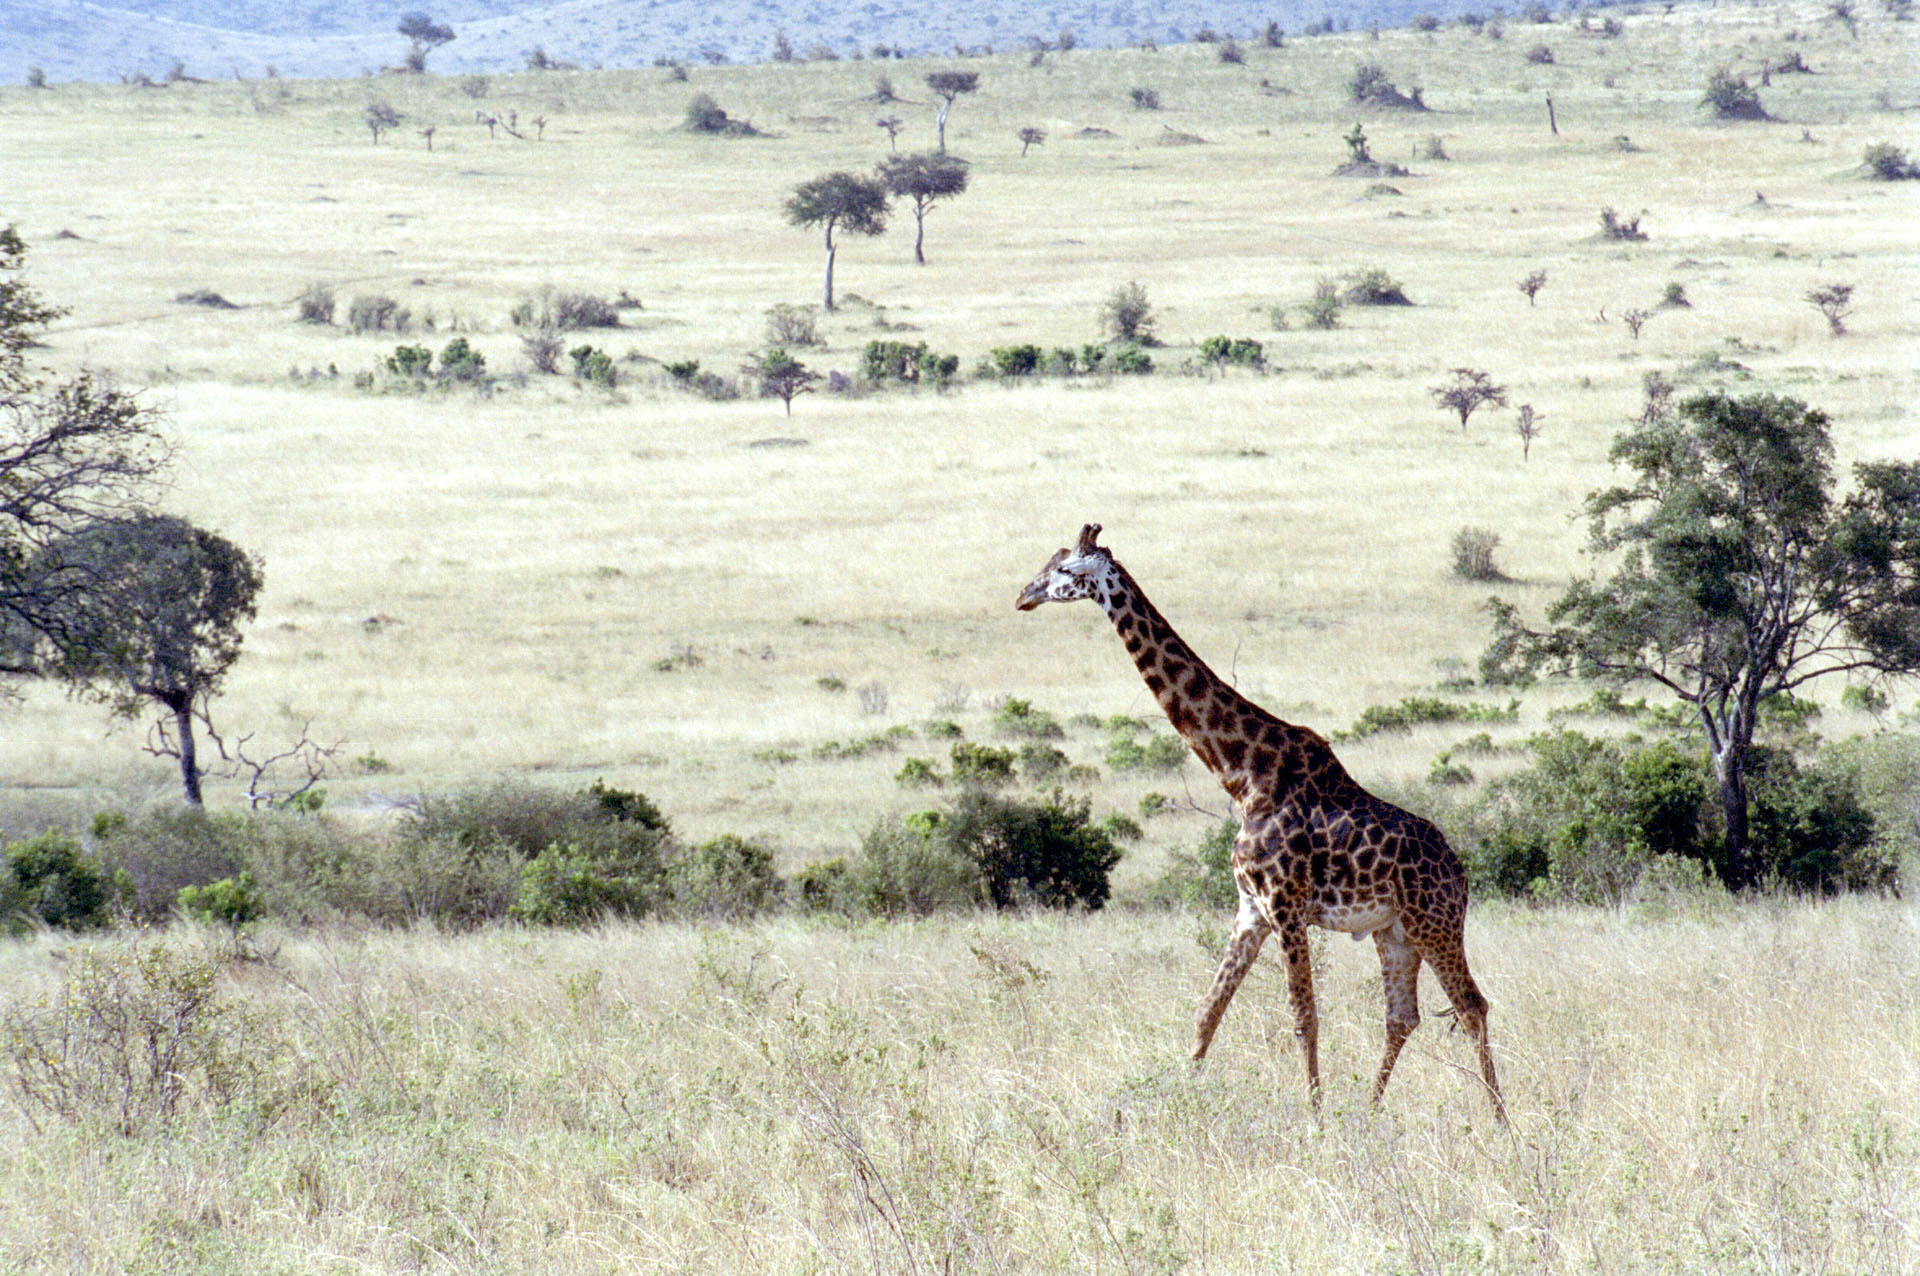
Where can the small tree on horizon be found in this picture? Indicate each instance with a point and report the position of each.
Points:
(950, 85)
(1127, 315)
(925, 180)
(426, 34)
(1835, 302)
(781, 376)
(380, 117)
(1532, 285)
(1030, 137)
(838, 201)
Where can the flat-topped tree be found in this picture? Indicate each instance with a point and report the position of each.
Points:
(1314, 848)
(925, 180)
(426, 34)
(838, 201)
(950, 85)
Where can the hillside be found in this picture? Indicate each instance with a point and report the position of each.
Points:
(217, 39)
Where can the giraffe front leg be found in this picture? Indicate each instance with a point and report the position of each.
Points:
(1306, 1018)
(1250, 930)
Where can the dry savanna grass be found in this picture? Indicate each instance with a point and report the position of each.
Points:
(1693, 1090)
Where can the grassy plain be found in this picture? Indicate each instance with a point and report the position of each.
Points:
(1694, 1089)
(461, 587)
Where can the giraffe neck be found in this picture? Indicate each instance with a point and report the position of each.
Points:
(1240, 742)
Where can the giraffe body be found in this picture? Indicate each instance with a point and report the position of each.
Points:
(1314, 847)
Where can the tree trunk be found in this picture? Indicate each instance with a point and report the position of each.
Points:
(942, 122)
(1730, 769)
(189, 764)
(919, 234)
(830, 251)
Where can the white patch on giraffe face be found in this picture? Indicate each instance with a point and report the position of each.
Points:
(1067, 578)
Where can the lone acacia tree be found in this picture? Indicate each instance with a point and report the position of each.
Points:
(838, 201)
(159, 624)
(1467, 391)
(950, 85)
(426, 34)
(1737, 575)
(926, 180)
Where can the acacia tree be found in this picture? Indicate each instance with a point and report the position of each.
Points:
(380, 117)
(159, 624)
(781, 376)
(838, 201)
(1467, 391)
(950, 85)
(1737, 575)
(926, 180)
(426, 34)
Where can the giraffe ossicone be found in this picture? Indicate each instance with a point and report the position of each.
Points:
(1314, 848)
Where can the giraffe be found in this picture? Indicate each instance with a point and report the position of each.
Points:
(1314, 848)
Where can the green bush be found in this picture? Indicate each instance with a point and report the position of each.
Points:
(50, 879)
(902, 870)
(727, 878)
(1811, 828)
(1203, 877)
(825, 886)
(595, 367)
(893, 361)
(1158, 753)
(377, 314)
(1425, 710)
(410, 361)
(1019, 717)
(1048, 853)
(1041, 761)
(1242, 352)
(919, 773)
(981, 764)
(159, 851)
(571, 883)
(1130, 360)
(461, 362)
(231, 901)
(1016, 361)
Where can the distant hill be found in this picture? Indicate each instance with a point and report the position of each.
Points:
(74, 40)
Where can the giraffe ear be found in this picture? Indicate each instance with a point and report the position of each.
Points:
(1087, 537)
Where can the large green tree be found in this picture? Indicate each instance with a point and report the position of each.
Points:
(160, 622)
(838, 201)
(71, 452)
(925, 180)
(1735, 572)
(950, 85)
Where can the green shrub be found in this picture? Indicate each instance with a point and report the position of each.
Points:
(1374, 287)
(1732, 98)
(1047, 853)
(1811, 829)
(1130, 360)
(919, 773)
(1889, 163)
(1242, 352)
(1203, 877)
(1614, 226)
(568, 884)
(1041, 761)
(904, 870)
(1425, 710)
(1019, 717)
(981, 764)
(315, 304)
(1158, 753)
(727, 878)
(231, 901)
(892, 360)
(377, 314)
(50, 879)
(825, 886)
(1323, 307)
(1127, 315)
(1016, 361)
(461, 362)
(157, 852)
(595, 367)
(1473, 549)
(410, 361)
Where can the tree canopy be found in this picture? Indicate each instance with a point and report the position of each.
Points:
(838, 201)
(1737, 575)
(925, 180)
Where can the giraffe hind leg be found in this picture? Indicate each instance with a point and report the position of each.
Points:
(1470, 1012)
(1400, 981)
(1306, 1019)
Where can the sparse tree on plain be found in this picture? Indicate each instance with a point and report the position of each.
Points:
(838, 201)
(1835, 302)
(949, 85)
(781, 376)
(1528, 428)
(1635, 320)
(890, 124)
(1030, 137)
(1532, 285)
(380, 117)
(1468, 391)
(925, 180)
(1127, 315)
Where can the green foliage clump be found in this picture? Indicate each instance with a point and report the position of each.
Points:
(461, 362)
(1732, 98)
(596, 367)
(377, 314)
(1048, 852)
(51, 880)
(1239, 352)
(1889, 163)
(410, 361)
(1473, 550)
(1016, 361)
(724, 879)
(1157, 753)
(919, 773)
(1424, 710)
(1130, 360)
(1203, 877)
(981, 764)
(231, 901)
(1019, 717)
(1041, 761)
(1127, 316)
(908, 362)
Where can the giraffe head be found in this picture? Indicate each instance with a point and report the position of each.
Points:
(1080, 572)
